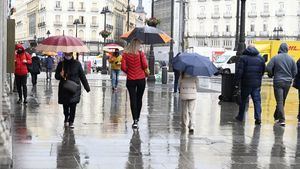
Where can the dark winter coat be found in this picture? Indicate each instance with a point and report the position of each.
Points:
(74, 72)
(35, 67)
(49, 61)
(297, 78)
(251, 68)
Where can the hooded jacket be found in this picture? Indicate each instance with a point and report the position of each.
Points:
(251, 68)
(282, 66)
(20, 65)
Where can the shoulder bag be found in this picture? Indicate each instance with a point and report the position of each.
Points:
(147, 71)
(69, 85)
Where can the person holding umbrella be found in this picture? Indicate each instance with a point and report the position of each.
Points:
(35, 69)
(115, 61)
(70, 69)
(134, 64)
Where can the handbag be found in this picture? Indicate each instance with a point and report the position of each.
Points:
(146, 71)
(69, 85)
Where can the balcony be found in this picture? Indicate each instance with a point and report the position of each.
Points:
(81, 25)
(81, 10)
(41, 24)
(226, 34)
(94, 9)
(94, 25)
(251, 33)
(265, 14)
(215, 0)
(201, 0)
(280, 13)
(201, 16)
(298, 12)
(70, 24)
(252, 14)
(215, 16)
(214, 34)
(264, 34)
(42, 9)
(71, 9)
(227, 15)
(57, 9)
(57, 23)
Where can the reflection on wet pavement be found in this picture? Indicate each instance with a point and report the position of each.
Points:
(103, 137)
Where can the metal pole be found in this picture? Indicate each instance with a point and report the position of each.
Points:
(237, 26)
(104, 67)
(151, 54)
(76, 30)
(242, 45)
(183, 26)
(171, 53)
(128, 10)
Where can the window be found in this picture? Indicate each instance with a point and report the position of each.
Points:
(266, 7)
(252, 27)
(81, 5)
(57, 4)
(228, 8)
(71, 5)
(265, 27)
(253, 7)
(94, 5)
(57, 32)
(202, 10)
(94, 35)
(70, 19)
(227, 28)
(215, 28)
(281, 5)
(81, 19)
(202, 27)
(216, 9)
(57, 18)
(94, 20)
(71, 32)
(81, 34)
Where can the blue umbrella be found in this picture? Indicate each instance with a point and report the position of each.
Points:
(194, 64)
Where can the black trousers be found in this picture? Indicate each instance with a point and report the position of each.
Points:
(176, 79)
(136, 90)
(299, 104)
(21, 82)
(69, 112)
(33, 78)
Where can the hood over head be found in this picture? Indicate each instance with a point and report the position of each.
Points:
(251, 51)
(284, 48)
(19, 46)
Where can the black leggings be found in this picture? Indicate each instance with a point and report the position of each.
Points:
(69, 112)
(21, 82)
(136, 90)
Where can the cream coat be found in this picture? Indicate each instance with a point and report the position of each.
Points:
(188, 87)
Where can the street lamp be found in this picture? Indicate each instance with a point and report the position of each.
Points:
(128, 12)
(171, 52)
(48, 33)
(277, 30)
(151, 54)
(104, 11)
(76, 22)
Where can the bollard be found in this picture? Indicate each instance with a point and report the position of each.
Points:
(164, 76)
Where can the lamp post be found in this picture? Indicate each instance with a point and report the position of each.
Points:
(237, 25)
(171, 53)
(104, 11)
(242, 45)
(277, 30)
(76, 22)
(151, 54)
(128, 10)
(48, 33)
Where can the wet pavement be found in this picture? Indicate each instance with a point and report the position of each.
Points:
(103, 138)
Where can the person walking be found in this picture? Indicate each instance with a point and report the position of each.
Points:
(49, 62)
(22, 59)
(34, 70)
(70, 69)
(188, 95)
(250, 70)
(134, 64)
(296, 84)
(115, 62)
(284, 70)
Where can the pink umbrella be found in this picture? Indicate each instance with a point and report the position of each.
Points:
(111, 47)
(62, 44)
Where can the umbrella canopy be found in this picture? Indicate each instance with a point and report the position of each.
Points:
(62, 44)
(194, 64)
(111, 47)
(148, 35)
(50, 53)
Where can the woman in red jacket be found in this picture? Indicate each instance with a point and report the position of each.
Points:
(22, 59)
(134, 64)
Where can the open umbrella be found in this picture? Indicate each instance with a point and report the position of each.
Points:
(194, 64)
(111, 47)
(148, 35)
(62, 44)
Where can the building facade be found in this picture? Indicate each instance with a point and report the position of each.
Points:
(213, 22)
(57, 18)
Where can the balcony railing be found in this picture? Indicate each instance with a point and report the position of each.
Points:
(252, 14)
(264, 34)
(41, 24)
(70, 24)
(298, 12)
(201, 0)
(94, 10)
(265, 14)
(71, 9)
(81, 25)
(81, 10)
(227, 15)
(215, 16)
(57, 9)
(226, 34)
(57, 23)
(280, 13)
(214, 34)
(42, 9)
(94, 25)
(201, 16)
(251, 33)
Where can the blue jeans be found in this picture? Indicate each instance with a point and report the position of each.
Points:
(255, 95)
(115, 78)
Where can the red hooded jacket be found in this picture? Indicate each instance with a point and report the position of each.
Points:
(134, 65)
(20, 65)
